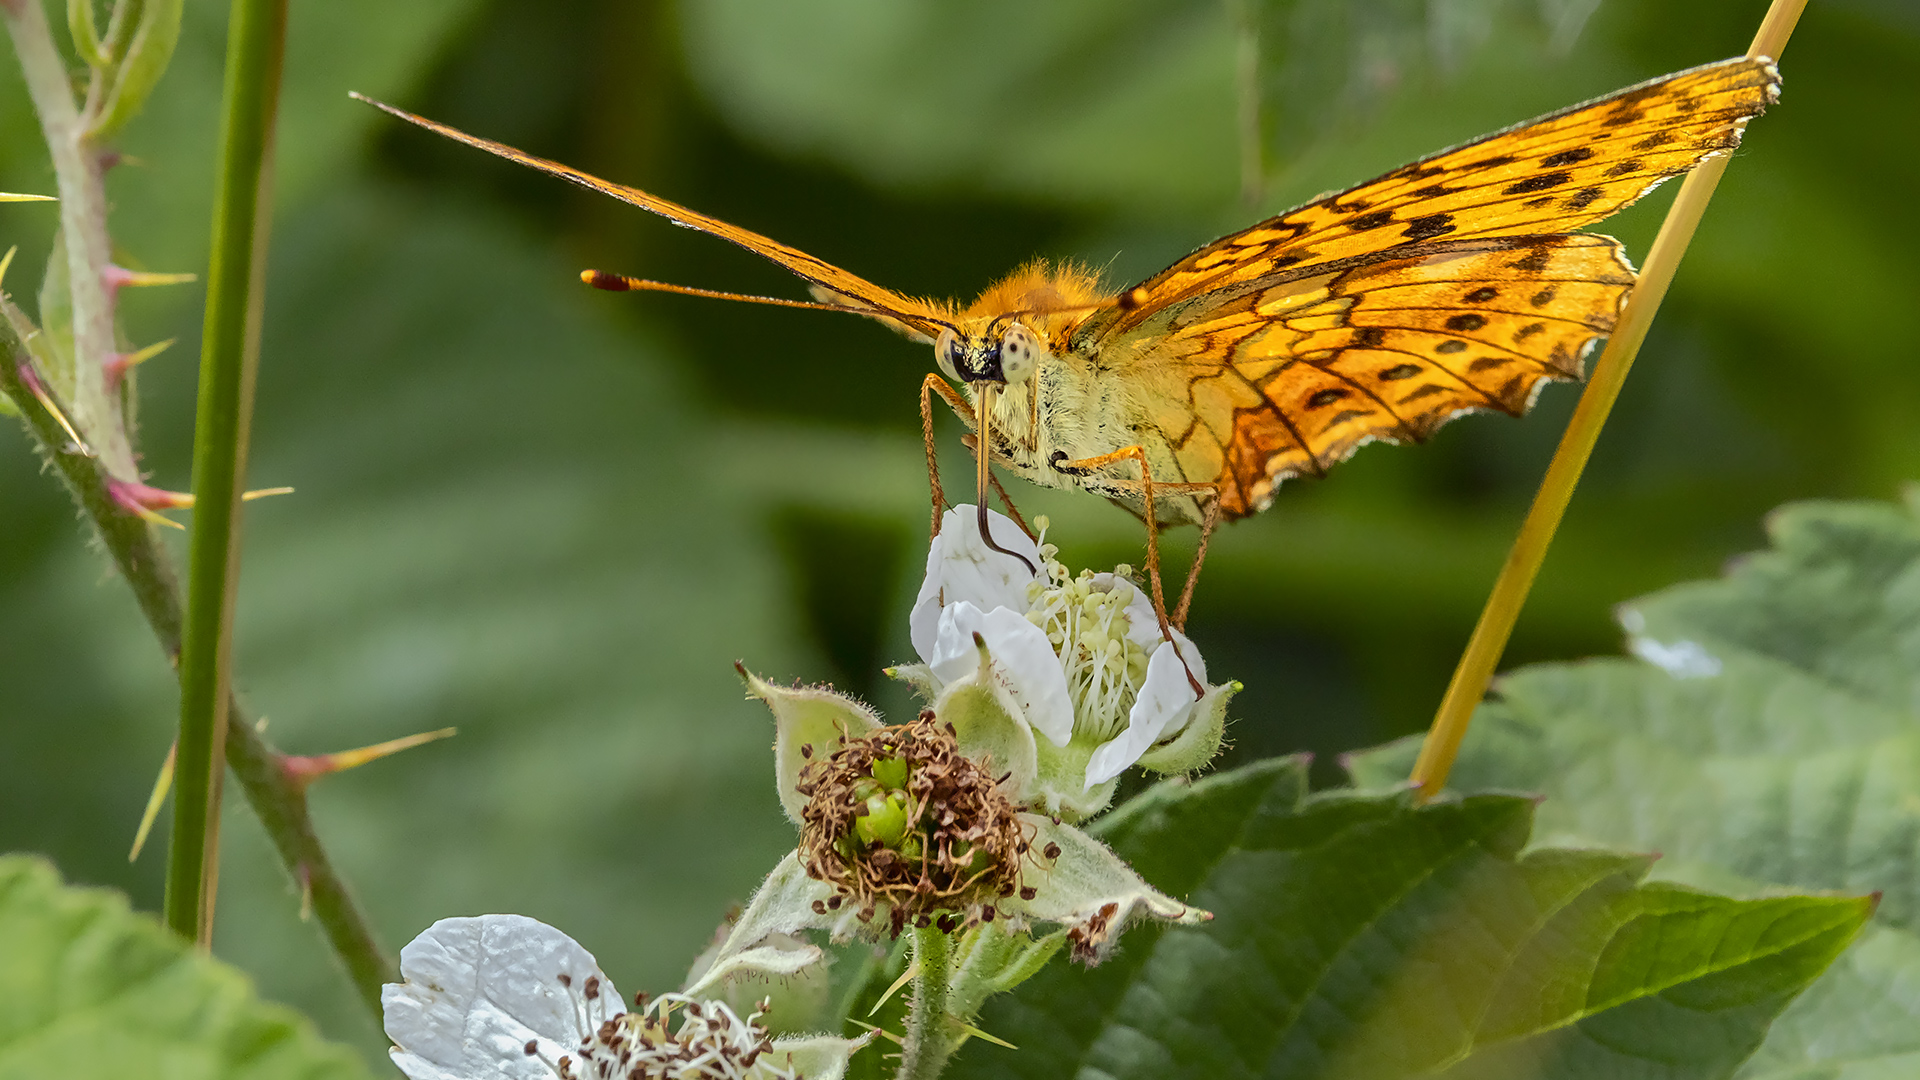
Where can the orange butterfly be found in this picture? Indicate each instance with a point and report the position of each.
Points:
(1447, 286)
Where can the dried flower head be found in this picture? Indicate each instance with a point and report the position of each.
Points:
(902, 824)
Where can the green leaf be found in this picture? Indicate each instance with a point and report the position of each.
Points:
(148, 50)
(1768, 738)
(91, 989)
(1360, 936)
(52, 348)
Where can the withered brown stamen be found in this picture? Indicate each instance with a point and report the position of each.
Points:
(953, 841)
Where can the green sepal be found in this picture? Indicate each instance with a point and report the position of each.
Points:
(992, 959)
(809, 724)
(982, 716)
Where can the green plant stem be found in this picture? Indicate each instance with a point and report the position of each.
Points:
(83, 220)
(230, 340)
(930, 1039)
(277, 800)
(1490, 634)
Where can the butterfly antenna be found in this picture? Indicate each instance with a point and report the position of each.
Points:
(600, 279)
(983, 405)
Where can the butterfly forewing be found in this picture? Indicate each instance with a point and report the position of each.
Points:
(1446, 286)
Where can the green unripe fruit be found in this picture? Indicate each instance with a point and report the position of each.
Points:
(891, 772)
(885, 820)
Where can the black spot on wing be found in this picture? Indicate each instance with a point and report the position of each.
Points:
(1400, 371)
(1541, 182)
(1543, 297)
(1482, 294)
(1468, 321)
(1371, 221)
(1534, 261)
(1567, 157)
(1324, 398)
(1658, 138)
(1426, 228)
(1454, 346)
(1368, 337)
(1584, 197)
(1623, 168)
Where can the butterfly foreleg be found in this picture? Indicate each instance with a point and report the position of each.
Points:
(928, 387)
(1138, 453)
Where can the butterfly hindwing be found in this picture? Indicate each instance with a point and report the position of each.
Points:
(1293, 379)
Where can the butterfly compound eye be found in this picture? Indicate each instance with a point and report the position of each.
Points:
(1019, 354)
(946, 353)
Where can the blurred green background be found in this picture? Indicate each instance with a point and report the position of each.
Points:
(554, 517)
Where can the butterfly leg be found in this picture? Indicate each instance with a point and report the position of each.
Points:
(1199, 556)
(1138, 453)
(928, 387)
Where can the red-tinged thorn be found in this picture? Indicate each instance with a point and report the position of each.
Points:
(135, 497)
(600, 279)
(118, 364)
(117, 277)
(303, 769)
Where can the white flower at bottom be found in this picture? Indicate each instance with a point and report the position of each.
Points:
(505, 997)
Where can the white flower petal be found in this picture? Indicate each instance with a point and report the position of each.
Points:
(960, 567)
(477, 990)
(1163, 705)
(1023, 661)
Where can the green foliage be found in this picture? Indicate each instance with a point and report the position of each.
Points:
(553, 518)
(1357, 936)
(1137, 98)
(90, 989)
(1769, 738)
(132, 60)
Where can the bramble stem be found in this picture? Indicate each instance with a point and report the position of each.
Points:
(1490, 634)
(930, 1037)
(256, 39)
(276, 799)
(83, 222)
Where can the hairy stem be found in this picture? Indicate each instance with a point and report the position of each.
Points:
(230, 345)
(930, 1039)
(278, 801)
(1490, 634)
(79, 175)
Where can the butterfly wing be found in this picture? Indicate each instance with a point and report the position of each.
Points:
(1446, 286)
(921, 316)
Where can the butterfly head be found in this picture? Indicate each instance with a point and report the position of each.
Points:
(1002, 352)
